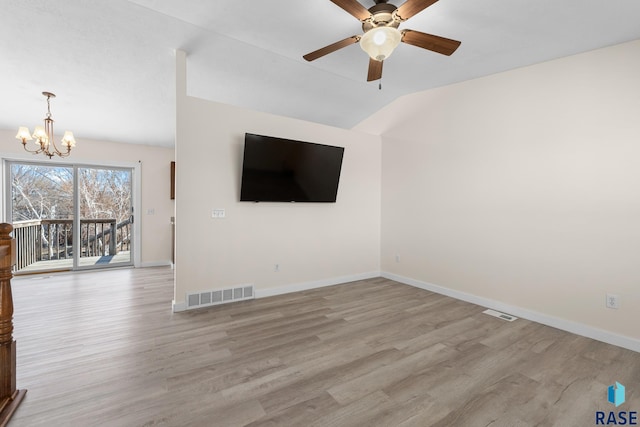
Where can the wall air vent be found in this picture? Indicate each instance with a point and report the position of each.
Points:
(507, 317)
(219, 296)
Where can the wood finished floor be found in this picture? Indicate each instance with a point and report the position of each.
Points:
(104, 349)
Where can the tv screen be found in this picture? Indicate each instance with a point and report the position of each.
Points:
(283, 170)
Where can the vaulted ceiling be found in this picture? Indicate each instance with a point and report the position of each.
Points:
(111, 63)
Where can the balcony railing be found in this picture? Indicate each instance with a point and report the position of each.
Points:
(52, 239)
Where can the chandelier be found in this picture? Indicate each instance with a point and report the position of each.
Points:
(43, 135)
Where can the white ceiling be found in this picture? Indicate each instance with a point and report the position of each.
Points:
(111, 63)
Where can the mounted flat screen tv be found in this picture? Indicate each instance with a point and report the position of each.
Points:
(284, 170)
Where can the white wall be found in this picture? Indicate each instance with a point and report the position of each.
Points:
(313, 243)
(522, 188)
(155, 184)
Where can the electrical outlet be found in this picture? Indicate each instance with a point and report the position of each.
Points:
(397, 257)
(613, 301)
(276, 268)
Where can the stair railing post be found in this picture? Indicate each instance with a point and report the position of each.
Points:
(10, 397)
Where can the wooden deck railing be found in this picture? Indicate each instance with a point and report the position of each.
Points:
(52, 239)
(10, 397)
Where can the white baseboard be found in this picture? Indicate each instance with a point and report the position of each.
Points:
(297, 287)
(545, 319)
(178, 306)
(155, 264)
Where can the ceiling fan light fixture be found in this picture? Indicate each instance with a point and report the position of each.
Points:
(379, 42)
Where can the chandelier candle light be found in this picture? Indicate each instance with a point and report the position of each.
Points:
(44, 135)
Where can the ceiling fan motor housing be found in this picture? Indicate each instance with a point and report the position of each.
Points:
(382, 15)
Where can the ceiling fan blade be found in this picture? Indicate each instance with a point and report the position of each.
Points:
(375, 70)
(354, 8)
(430, 42)
(413, 7)
(331, 48)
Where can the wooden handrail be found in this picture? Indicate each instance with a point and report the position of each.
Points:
(10, 398)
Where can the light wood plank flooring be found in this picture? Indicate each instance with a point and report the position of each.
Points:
(104, 349)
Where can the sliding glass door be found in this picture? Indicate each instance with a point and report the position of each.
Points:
(70, 217)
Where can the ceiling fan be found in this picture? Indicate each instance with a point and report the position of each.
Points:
(381, 35)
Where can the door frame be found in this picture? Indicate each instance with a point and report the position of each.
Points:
(136, 193)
